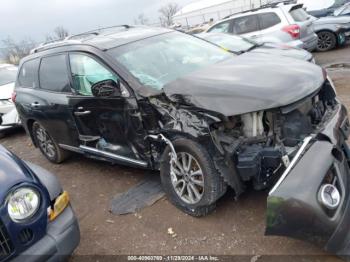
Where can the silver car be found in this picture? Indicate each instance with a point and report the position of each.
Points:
(8, 113)
(276, 22)
(239, 45)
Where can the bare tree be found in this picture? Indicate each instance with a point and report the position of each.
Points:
(14, 51)
(141, 20)
(59, 33)
(167, 12)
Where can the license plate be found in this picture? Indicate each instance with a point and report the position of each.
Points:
(347, 33)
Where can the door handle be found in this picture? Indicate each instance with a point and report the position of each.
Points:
(35, 104)
(82, 113)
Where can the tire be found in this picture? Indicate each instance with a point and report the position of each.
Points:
(210, 185)
(48, 147)
(326, 41)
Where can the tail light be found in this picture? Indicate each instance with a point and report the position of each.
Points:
(13, 97)
(293, 30)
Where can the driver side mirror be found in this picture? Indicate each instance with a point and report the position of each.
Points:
(106, 88)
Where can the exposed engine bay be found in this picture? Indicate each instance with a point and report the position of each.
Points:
(262, 144)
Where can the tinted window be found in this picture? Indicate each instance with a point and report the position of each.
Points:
(299, 15)
(86, 72)
(53, 74)
(8, 75)
(28, 74)
(246, 24)
(268, 20)
(221, 28)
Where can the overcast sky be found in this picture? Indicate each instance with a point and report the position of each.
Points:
(37, 18)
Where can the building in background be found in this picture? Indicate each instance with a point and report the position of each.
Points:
(203, 11)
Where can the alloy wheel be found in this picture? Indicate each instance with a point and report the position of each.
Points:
(325, 41)
(187, 178)
(45, 142)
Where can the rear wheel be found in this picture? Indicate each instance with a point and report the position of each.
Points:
(326, 41)
(192, 183)
(47, 145)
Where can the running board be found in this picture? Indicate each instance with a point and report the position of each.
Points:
(71, 148)
(114, 156)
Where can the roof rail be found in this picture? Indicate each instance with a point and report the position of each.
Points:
(95, 32)
(51, 44)
(272, 4)
(73, 39)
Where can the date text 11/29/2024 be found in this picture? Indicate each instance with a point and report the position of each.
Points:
(173, 258)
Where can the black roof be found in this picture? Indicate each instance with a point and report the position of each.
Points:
(107, 38)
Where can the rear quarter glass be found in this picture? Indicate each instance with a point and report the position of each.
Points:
(28, 74)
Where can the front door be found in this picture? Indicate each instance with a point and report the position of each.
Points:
(109, 126)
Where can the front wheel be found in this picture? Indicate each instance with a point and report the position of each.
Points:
(326, 41)
(191, 183)
(47, 145)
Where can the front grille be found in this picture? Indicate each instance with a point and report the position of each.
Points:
(6, 247)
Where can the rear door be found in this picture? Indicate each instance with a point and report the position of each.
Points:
(41, 95)
(111, 126)
(50, 103)
(247, 26)
(271, 27)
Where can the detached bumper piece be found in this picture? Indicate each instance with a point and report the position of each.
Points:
(312, 202)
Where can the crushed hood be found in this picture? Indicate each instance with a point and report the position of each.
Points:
(247, 83)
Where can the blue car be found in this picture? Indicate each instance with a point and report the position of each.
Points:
(37, 222)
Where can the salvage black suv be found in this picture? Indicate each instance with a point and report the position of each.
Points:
(163, 100)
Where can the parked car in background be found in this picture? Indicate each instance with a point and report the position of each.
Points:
(8, 112)
(332, 31)
(206, 119)
(322, 8)
(239, 45)
(276, 22)
(37, 222)
(342, 11)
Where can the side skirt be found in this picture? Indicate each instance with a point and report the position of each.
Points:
(105, 155)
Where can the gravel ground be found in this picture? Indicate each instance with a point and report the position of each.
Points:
(235, 228)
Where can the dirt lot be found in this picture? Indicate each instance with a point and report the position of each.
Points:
(235, 228)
